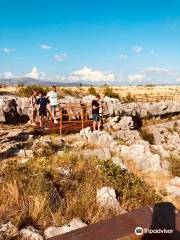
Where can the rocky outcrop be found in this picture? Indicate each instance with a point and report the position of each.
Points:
(141, 154)
(166, 137)
(173, 187)
(14, 109)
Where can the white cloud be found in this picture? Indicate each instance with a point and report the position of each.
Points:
(44, 46)
(60, 57)
(7, 75)
(35, 73)
(8, 50)
(153, 73)
(178, 79)
(123, 56)
(136, 78)
(156, 70)
(137, 49)
(88, 74)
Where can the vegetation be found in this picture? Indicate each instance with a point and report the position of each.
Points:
(92, 90)
(132, 192)
(67, 91)
(109, 92)
(129, 98)
(175, 165)
(36, 193)
(147, 136)
(27, 91)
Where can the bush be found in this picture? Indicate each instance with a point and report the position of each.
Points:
(92, 91)
(175, 166)
(147, 136)
(131, 190)
(129, 98)
(67, 91)
(108, 91)
(27, 91)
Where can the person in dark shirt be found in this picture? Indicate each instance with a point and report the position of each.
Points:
(97, 112)
(42, 101)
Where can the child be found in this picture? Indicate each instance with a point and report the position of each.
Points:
(33, 108)
(42, 102)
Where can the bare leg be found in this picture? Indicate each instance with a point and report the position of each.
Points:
(41, 121)
(94, 126)
(34, 116)
(99, 125)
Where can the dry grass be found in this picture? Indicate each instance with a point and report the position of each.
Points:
(122, 91)
(36, 193)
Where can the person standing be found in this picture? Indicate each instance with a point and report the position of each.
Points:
(97, 113)
(43, 102)
(33, 108)
(53, 98)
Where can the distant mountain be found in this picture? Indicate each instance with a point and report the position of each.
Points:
(32, 81)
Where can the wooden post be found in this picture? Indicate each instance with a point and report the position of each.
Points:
(86, 113)
(61, 120)
(82, 116)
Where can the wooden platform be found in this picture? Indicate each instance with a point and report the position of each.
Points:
(121, 227)
(68, 127)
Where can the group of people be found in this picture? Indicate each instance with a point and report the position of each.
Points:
(43, 104)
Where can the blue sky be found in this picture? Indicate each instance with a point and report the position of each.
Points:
(133, 41)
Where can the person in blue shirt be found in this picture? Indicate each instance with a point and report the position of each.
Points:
(43, 102)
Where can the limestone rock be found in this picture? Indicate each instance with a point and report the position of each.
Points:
(119, 162)
(140, 153)
(7, 231)
(30, 233)
(106, 197)
(74, 224)
(173, 187)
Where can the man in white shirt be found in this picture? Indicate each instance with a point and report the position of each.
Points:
(53, 98)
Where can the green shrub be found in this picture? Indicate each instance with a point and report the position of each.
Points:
(27, 91)
(92, 91)
(67, 91)
(132, 191)
(108, 91)
(129, 98)
(147, 136)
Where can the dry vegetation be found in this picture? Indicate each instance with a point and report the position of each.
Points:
(127, 93)
(36, 193)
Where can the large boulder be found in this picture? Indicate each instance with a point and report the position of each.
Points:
(140, 153)
(14, 109)
(101, 138)
(173, 187)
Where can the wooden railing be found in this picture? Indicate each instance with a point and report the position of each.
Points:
(121, 227)
(153, 98)
(81, 118)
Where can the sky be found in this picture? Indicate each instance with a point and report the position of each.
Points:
(110, 41)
